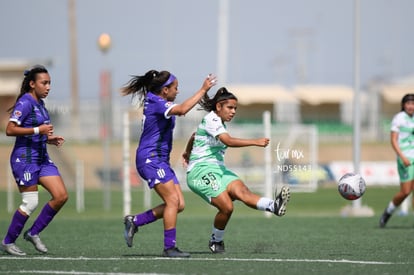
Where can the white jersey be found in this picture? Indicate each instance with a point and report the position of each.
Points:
(403, 124)
(207, 148)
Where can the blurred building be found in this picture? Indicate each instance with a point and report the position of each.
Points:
(329, 107)
(324, 103)
(255, 99)
(11, 76)
(385, 102)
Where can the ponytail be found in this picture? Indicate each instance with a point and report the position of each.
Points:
(153, 81)
(209, 104)
(29, 75)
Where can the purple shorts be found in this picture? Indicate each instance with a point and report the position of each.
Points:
(157, 172)
(29, 174)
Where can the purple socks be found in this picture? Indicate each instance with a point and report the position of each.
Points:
(148, 217)
(169, 238)
(16, 227)
(144, 218)
(18, 221)
(44, 218)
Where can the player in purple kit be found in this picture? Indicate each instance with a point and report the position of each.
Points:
(30, 123)
(157, 91)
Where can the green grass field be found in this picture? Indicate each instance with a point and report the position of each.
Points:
(311, 239)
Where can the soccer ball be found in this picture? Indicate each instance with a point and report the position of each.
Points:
(351, 186)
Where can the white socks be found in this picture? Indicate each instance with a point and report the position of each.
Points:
(265, 204)
(391, 207)
(217, 235)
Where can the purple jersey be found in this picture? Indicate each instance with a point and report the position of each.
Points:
(157, 130)
(29, 113)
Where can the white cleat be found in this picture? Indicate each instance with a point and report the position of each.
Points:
(35, 240)
(12, 249)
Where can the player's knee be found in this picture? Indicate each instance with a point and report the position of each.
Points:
(64, 198)
(30, 200)
(227, 210)
(173, 201)
(181, 206)
(61, 199)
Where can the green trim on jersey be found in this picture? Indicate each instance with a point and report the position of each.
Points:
(207, 148)
(403, 124)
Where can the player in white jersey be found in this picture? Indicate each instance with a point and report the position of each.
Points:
(402, 142)
(207, 175)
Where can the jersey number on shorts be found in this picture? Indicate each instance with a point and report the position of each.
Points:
(209, 178)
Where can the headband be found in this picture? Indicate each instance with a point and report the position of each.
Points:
(169, 81)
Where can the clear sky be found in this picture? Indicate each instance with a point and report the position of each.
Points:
(270, 41)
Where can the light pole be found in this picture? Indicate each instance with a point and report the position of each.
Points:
(357, 209)
(104, 44)
(75, 121)
(223, 37)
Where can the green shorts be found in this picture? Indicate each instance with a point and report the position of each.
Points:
(406, 173)
(209, 181)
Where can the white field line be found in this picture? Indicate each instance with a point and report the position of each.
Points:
(343, 261)
(76, 272)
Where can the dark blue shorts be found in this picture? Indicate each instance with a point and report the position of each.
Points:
(29, 174)
(157, 172)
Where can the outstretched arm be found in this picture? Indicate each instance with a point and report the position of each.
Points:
(239, 142)
(187, 105)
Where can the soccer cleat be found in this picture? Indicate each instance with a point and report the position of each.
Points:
(130, 229)
(384, 219)
(174, 252)
(12, 249)
(216, 247)
(35, 240)
(281, 201)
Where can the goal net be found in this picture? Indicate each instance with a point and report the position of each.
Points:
(295, 157)
(290, 159)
